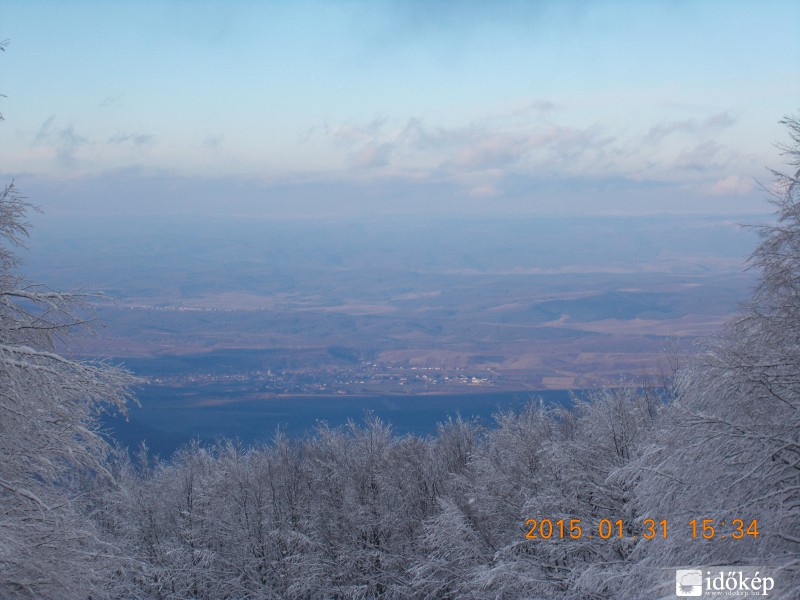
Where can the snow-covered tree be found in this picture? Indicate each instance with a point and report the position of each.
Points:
(729, 445)
(48, 432)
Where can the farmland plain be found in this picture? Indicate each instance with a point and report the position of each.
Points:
(293, 308)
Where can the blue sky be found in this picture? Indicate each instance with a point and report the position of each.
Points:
(396, 107)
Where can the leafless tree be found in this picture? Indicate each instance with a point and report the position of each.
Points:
(48, 430)
(729, 445)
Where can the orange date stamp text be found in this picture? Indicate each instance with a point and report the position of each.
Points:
(648, 529)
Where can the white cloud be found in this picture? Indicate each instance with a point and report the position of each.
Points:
(372, 156)
(137, 139)
(709, 125)
(732, 185)
(64, 142)
(485, 190)
(700, 158)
